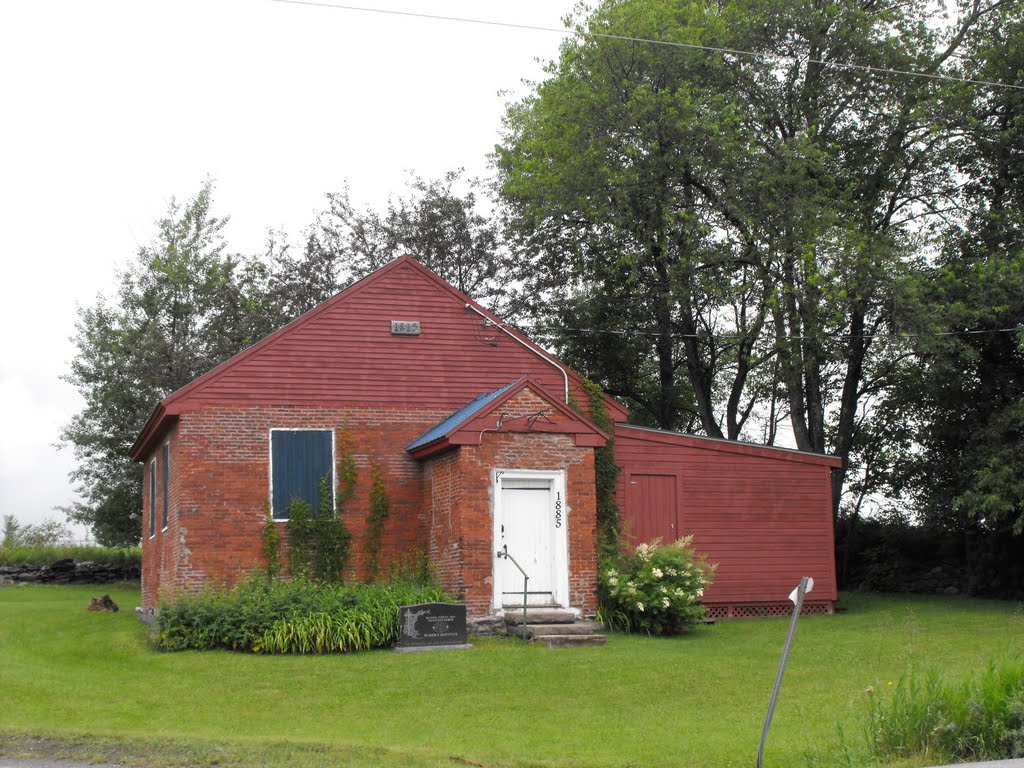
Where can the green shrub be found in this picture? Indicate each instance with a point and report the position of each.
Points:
(980, 719)
(295, 616)
(371, 623)
(655, 589)
(24, 555)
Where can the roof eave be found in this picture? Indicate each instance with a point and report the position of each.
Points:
(159, 422)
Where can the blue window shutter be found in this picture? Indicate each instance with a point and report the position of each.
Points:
(299, 459)
(165, 456)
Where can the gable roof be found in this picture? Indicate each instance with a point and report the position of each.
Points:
(468, 424)
(326, 324)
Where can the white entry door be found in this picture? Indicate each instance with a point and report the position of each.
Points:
(530, 525)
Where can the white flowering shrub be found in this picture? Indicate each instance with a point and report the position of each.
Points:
(655, 588)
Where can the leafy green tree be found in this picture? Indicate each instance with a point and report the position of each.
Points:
(961, 394)
(735, 227)
(11, 529)
(179, 310)
(185, 305)
(439, 223)
(48, 533)
(290, 284)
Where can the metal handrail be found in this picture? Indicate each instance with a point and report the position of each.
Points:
(503, 552)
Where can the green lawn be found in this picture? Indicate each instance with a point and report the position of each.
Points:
(89, 684)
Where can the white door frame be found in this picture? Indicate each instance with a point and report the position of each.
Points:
(559, 519)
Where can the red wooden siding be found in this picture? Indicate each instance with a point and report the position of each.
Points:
(343, 354)
(763, 515)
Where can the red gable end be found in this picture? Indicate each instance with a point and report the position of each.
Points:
(344, 352)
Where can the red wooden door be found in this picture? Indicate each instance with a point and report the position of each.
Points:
(651, 507)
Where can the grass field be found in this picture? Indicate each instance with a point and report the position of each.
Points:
(88, 685)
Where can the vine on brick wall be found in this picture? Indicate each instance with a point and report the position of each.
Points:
(348, 473)
(331, 539)
(319, 544)
(380, 509)
(300, 538)
(271, 544)
(606, 473)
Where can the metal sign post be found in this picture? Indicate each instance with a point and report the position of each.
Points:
(797, 596)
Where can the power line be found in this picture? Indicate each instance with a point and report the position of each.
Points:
(649, 41)
(551, 330)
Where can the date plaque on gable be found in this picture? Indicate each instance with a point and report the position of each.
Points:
(405, 327)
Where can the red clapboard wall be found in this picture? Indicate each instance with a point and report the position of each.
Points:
(343, 352)
(764, 515)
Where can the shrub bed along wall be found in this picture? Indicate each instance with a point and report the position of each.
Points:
(289, 616)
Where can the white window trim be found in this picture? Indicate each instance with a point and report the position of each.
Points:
(167, 489)
(270, 464)
(152, 498)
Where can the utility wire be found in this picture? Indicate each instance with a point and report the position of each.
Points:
(552, 330)
(649, 41)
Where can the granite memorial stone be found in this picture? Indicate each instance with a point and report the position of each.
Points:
(430, 626)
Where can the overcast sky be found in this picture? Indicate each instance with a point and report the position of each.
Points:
(110, 108)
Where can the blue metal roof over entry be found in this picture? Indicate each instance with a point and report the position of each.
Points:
(465, 413)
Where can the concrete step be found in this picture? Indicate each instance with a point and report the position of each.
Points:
(571, 641)
(539, 616)
(537, 630)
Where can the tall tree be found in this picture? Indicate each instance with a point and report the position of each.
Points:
(961, 395)
(180, 309)
(9, 532)
(741, 219)
(439, 223)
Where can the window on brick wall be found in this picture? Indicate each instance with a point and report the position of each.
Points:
(299, 458)
(165, 457)
(152, 498)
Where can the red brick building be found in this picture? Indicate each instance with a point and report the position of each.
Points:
(470, 424)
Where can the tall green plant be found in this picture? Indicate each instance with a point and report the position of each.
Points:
(979, 719)
(300, 538)
(271, 544)
(606, 473)
(332, 540)
(380, 509)
(348, 472)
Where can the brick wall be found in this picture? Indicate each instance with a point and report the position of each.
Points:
(220, 478)
(220, 485)
(530, 451)
(161, 551)
(443, 491)
(460, 488)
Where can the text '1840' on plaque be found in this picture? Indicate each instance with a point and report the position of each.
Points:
(431, 626)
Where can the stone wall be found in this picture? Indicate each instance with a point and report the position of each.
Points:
(67, 572)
